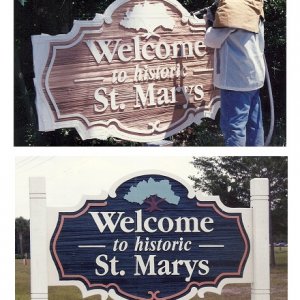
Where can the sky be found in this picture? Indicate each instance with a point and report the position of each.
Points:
(69, 178)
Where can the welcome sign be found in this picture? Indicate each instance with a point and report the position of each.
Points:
(150, 238)
(139, 72)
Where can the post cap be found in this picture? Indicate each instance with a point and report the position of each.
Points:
(37, 185)
(259, 187)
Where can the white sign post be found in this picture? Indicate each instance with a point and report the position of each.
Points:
(255, 220)
(259, 191)
(38, 238)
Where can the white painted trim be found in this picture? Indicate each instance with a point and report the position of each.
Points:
(38, 239)
(104, 133)
(260, 289)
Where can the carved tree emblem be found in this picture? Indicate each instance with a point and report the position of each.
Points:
(148, 17)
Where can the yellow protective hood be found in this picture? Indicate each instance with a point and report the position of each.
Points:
(241, 14)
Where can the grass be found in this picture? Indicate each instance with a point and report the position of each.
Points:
(22, 282)
(230, 292)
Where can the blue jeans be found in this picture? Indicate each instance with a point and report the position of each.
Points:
(241, 118)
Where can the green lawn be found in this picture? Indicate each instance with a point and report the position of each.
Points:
(230, 292)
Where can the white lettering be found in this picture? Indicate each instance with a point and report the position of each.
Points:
(111, 220)
(124, 49)
(204, 222)
(143, 267)
(190, 268)
(160, 245)
(107, 216)
(185, 224)
(203, 265)
(145, 52)
(104, 46)
(107, 49)
(160, 53)
(199, 93)
(163, 267)
(142, 98)
(156, 73)
(101, 99)
(104, 101)
(101, 262)
(103, 265)
(146, 224)
(124, 221)
(199, 49)
(163, 96)
(169, 224)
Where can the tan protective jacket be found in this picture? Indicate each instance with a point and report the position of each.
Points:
(241, 14)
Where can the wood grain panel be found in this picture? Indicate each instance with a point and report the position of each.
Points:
(72, 75)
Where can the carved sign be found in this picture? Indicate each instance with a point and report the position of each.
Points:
(139, 72)
(150, 240)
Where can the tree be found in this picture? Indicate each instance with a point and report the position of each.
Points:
(22, 236)
(229, 177)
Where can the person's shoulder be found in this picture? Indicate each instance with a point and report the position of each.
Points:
(215, 37)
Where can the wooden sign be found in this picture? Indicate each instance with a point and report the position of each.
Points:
(139, 72)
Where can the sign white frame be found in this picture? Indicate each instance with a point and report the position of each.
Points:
(42, 47)
(43, 221)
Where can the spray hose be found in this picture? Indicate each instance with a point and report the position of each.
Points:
(270, 133)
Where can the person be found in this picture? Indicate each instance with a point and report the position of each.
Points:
(237, 35)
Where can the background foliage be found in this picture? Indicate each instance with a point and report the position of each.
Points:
(22, 237)
(230, 176)
(56, 16)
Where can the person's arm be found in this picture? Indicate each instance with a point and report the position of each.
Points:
(215, 37)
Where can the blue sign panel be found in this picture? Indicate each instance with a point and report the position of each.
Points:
(151, 241)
